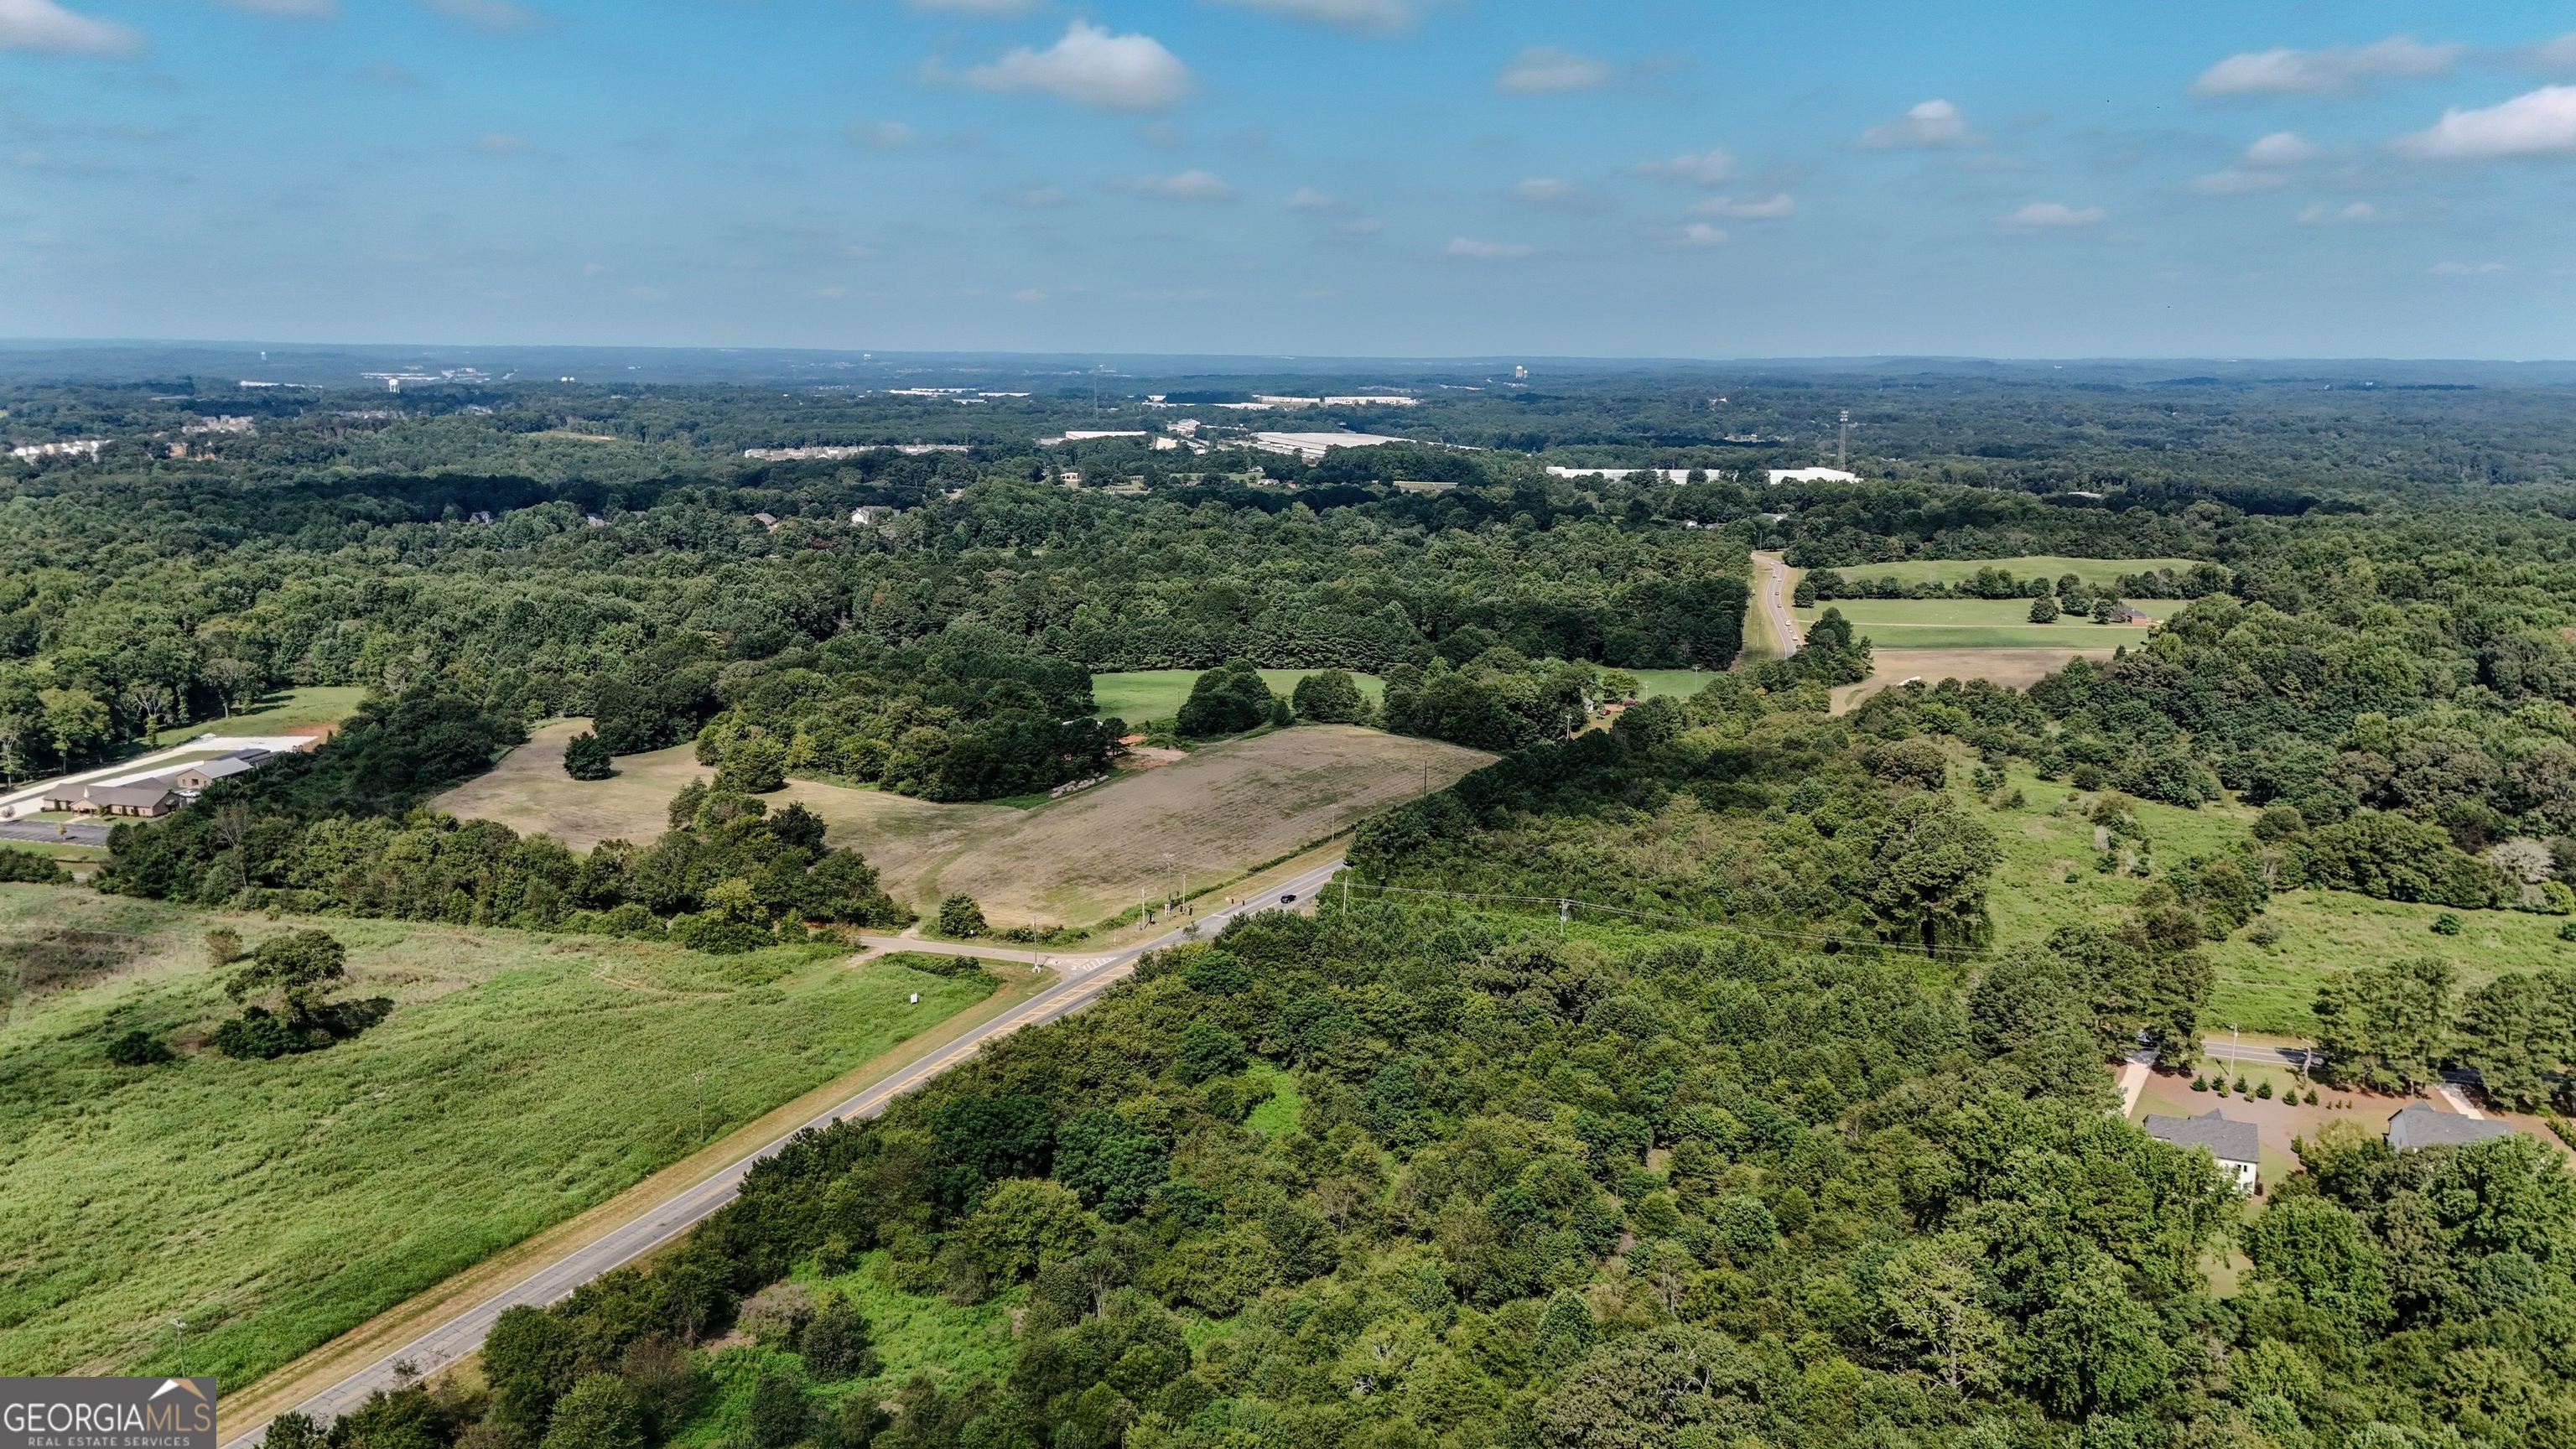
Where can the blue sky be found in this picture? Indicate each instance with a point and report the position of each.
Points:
(1408, 177)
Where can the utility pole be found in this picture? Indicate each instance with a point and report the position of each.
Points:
(1842, 453)
(1563, 907)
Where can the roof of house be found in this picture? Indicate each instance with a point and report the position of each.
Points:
(2227, 1141)
(224, 767)
(141, 792)
(2422, 1126)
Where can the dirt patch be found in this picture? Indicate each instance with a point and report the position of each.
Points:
(1214, 812)
(58, 959)
(2011, 668)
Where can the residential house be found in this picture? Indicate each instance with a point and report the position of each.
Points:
(2236, 1145)
(2422, 1126)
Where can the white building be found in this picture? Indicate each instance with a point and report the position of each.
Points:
(1813, 475)
(1313, 446)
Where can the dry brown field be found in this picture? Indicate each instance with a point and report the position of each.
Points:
(1225, 808)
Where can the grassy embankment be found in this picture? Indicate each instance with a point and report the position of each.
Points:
(520, 1080)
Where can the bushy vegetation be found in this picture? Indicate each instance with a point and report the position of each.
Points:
(730, 875)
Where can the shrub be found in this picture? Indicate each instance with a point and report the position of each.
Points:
(961, 918)
(2043, 610)
(255, 1035)
(835, 1344)
(2264, 1091)
(717, 936)
(223, 947)
(754, 767)
(586, 757)
(2448, 924)
(137, 1049)
(1228, 699)
(27, 865)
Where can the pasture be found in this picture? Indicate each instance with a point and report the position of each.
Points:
(1978, 624)
(2093, 571)
(520, 1080)
(1214, 814)
(2265, 989)
(1155, 694)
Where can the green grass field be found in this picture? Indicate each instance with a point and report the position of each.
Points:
(280, 713)
(2261, 989)
(520, 1080)
(1975, 624)
(1682, 682)
(2049, 566)
(1145, 694)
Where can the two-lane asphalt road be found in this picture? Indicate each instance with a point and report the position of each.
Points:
(1084, 978)
(1771, 594)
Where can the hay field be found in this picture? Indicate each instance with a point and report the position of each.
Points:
(2011, 668)
(1226, 807)
(520, 1080)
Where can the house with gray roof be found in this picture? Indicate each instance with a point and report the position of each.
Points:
(190, 779)
(2236, 1145)
(2421, 1126)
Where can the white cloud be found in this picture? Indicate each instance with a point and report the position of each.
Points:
(2283, 71)
(2282, 148)
(502, 143)
(1549, 191)
(885, 135)
(988, 9)
(2056, 213)
(1715, 167)
(1092, 67)
(2358, 213)
(2554, 54)
(1931, 123)
(488, 14)
(1544, 70)
(44, 25)
(1460, 246)
(2535, 123)
(290, 9)
(1308, 199)
(1698, 235)
(1378, 17)
(1186, 186)
(1769, 208)
(2467, 269)
(2237, 182)
(1039, 198)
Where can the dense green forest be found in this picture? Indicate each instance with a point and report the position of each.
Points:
(1420, 1172)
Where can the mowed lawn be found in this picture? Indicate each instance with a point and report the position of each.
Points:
(1151, 694)
(1977, 624)
(2260, 989)
(1223, 809)
(520, 1080)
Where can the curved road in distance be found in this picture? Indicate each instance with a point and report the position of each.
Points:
(461, 1333)
(1773, 595)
